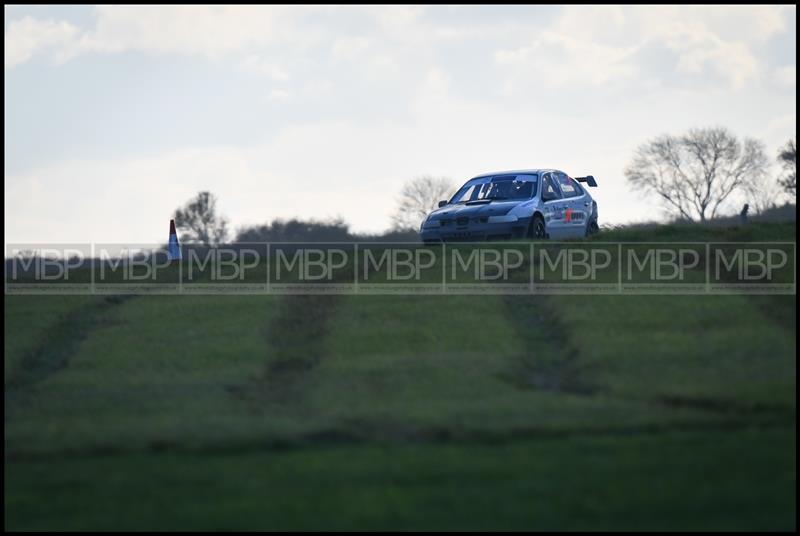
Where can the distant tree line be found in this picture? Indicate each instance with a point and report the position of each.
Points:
(201, 226)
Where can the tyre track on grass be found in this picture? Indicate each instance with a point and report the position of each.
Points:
(296, 340)
(58, 347)
(551, 362)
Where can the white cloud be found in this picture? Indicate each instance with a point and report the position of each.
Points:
(786, 76)
(700, 50)
(558, 59)
(396, 20)
(349, 47)
(27, 37)
(210, 31)
(710, 41)
(594, 44)
(255, 64)
(279, 95)
(600, 44)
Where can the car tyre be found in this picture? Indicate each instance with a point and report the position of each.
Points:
(538, 229)
(592, 228)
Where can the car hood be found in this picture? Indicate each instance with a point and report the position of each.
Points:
(493, 208)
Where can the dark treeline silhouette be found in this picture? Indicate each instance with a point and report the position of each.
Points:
(295, 230)
(335, 230)
(201, 226)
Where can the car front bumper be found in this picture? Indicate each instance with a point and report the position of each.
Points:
(476, 231)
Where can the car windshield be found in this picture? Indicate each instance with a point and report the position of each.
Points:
(500, 187)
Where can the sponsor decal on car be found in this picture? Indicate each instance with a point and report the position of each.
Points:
(573, 215)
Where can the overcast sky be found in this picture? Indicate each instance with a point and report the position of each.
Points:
(116, 115)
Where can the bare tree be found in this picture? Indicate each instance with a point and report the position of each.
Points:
(762, 192)
(199, 222)
(787, 156)
(417, 198)
(693, 174)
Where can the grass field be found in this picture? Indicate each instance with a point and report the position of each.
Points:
(404, 412)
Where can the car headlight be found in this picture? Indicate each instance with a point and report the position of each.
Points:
(503, 219)
(428, 223)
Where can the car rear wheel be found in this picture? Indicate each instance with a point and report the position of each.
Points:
(538, 230)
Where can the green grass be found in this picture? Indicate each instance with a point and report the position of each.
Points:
(405, 412)
(685, 232)
(31, 320)
(673, 481)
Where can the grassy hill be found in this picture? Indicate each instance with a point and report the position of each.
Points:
(404, 412)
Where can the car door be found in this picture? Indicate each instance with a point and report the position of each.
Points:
(554, 207)
(577, 204)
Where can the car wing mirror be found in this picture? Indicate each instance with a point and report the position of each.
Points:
(442, 203)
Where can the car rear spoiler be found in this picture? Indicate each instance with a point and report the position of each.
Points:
(588, 179)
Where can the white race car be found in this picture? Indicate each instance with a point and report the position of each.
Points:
(532, 203)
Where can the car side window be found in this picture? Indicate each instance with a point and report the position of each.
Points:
(550, 188)
(567, 186)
